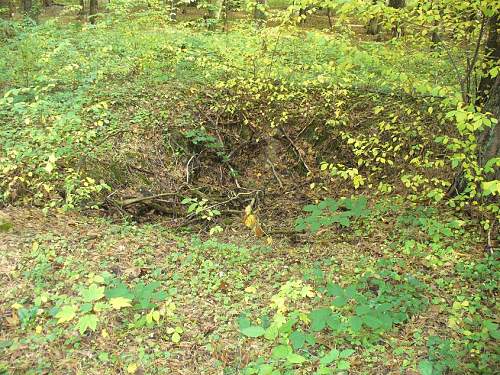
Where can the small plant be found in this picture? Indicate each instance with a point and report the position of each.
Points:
(330, 211)
(200, 208)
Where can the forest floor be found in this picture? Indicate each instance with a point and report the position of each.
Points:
(205, 286)
(403, 286)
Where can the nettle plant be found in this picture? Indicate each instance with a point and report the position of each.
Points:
(330, 211)
(104, 294)
(358, 313)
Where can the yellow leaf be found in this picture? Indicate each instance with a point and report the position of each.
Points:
(132, 368)
(38, 329)
(176, 337)
(250, 289)
(104, 333)
(118, 302)
(35, 246)
(250, 220)
(248, 210)
(269, 240)
(16, 306)
(155, 315)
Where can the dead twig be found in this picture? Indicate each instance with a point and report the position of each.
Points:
(296, 149)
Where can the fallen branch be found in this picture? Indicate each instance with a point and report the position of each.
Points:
(128, 202)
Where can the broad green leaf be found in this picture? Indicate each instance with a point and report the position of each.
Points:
(93, 293)
(121, 290)
(343, 365)
(176, 337)
(253, 331)
(356, 324)
(425, 367)
(295, 358)
(281, 351)
(346, 353)
(331, 356)
(297, 339)
(319, 318)
(86, 307)
(88, 321)
(66, 313)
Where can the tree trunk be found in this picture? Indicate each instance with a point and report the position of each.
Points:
(173, 10)
(488, 96)
(214, 12)
(373, 27)
(27, 6)
(93, 9)
(329, 14)
(5, 9)
(81, 13)
(259, 15)
(47, 3)
(397, 4)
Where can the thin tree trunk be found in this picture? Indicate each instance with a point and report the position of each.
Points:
(173, 10)
(397, 4)
(81, 13)
(27, 6)
(214, 12)
(373, 27)
(259, 15)
(93, 9)
(330, 21)
(488, 96)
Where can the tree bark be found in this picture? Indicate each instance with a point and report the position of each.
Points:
(259, 15)
(27, 6)
(373, 27)
(93, 9)
(214, 12)
(488, 97)
(81, 13)
(397, 4)
(173, 10)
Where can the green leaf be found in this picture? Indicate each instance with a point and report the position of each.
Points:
(176, 338)
(491, 187)
(332, 355)
(86, 307)
(334, 290)
(343, 365)
(67, 313)
(88, 321)
(297, 339)
(5, 226)
(121, 290)
(346, 353)
(319, 318)
(356, 324)
(425, 367)
(281, 352)
(253, 331)
(93, 293)
(372, 321)
(340, 301)
(295, 358)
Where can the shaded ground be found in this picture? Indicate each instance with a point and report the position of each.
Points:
(45, 260)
